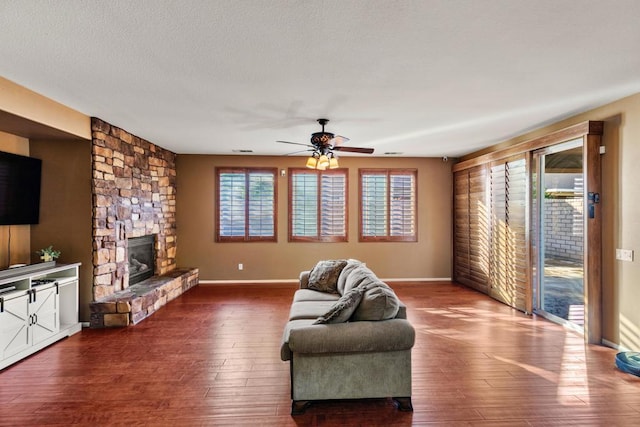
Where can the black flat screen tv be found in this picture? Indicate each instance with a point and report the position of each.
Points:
(19, 189)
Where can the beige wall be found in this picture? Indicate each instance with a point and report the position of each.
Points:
(65, 208)
(26, 113)
(430, 257)
(621, 214)
(19, 235)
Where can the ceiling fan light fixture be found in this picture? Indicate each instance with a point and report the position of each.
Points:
(322, 146)
(312, 162)
(333, 162)
(323, 163)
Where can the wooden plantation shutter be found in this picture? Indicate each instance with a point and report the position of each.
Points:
(402, 205)
(318, 205)
(231, 204)
(461, 245)
(388, 205)
(471, 228)
(373, 199)
(333, 204)
(261, 204)
(509, 240)
(246, 209)
(303, 205)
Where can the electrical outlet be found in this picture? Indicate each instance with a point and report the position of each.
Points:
(624, 254)
(240, 267)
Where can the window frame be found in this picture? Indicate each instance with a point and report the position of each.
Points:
(319, 238)
(388, 172)
(246, 238)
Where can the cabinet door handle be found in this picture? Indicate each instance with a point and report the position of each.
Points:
(35, 319)
(34, 295)
(1, 305)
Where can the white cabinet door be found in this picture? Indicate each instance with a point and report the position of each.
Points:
(14, 326)
(43, 311)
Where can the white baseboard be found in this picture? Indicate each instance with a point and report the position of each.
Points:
(245, 282)
(614, 345)
(295, 281)
(418, 279)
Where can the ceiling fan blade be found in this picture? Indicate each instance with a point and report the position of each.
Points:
(354, 150)
(298, 152)
(338, 140)
(296, 143)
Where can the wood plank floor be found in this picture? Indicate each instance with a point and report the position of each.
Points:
(211, 358)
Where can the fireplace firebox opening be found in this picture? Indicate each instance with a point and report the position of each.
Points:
(141, 258)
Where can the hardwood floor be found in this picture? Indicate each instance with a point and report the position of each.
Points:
(211, 357)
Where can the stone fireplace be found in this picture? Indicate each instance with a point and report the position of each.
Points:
(141, 256)
(134, 195)
(134, 228)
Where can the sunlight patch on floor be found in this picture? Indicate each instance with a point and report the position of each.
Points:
(571, 355)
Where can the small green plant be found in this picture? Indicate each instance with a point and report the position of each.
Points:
(48, 254)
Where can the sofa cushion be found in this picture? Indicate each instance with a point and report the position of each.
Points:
(352, 264)
(324, 276)
(358, 276)
(309, 309)
(379, 302)
(311, 295)
(342, 310)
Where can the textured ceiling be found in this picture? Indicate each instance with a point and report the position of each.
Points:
(423, 78)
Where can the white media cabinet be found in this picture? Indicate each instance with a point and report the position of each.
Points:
(38, 306)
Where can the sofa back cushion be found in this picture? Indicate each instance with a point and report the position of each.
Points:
(357, 276)
(352, 264)
(324, 276)
(343, 309)
(378, 302)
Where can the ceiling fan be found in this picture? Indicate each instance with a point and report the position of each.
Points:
(323, 144)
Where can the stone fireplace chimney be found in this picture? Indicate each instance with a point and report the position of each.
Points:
(134, 195)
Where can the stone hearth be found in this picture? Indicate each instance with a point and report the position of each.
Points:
(139, 301)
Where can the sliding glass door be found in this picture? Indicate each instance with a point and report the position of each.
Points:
(559, 233)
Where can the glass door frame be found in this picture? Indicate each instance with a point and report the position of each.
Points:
(538, 244)
(592, 251)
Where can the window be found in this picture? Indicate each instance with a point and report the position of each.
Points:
(317, 205)
(388, 205)
(246, 210)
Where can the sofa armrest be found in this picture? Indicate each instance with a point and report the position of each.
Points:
(402, 310)
(304, 279)
(353, 337)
